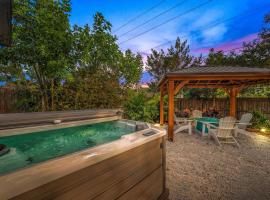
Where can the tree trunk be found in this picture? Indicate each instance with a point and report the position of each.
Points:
(43, 88)
(44, 100)
(52, 95)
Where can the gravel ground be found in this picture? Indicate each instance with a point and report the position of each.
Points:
(198, 169)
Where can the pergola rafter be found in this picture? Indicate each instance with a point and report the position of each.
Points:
(231, 79)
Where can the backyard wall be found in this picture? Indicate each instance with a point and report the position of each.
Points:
(8, 99)
(222, 105)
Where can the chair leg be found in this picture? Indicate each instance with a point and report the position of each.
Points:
(189, 128)
(215, 138)
(236, 142)
(209, 134)
(203, 129)
(235, 133)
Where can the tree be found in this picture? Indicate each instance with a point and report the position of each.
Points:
(176, 58)
(215, 58)
(257, 52)
(131, 67)
(63, 63)
(156, 64)
(265, 39)
(220, 59)
(197, 61)
(41, 45)
(102, 70)
(95, 49)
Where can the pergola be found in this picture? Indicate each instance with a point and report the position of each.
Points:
(231, 79)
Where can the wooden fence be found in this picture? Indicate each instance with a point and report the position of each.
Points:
(9, 97)
(222, 105)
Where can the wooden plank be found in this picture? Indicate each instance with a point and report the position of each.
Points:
(161, 107)
(71, 182)
(164, 162)
(149, 189)
(206, 86)
(171, 110)
(180, 86)
(121, 187)
(117, 190)
(233, 101)
(131, 172)
(23, 119)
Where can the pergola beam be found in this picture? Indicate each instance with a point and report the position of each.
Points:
(180, 86)
(205, 86)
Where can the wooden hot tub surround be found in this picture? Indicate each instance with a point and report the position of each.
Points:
(132, 167)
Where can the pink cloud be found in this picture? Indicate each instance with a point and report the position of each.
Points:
(228, 45)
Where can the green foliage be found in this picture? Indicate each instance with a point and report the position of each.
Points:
(152, 109)
(134, 107)
(28, 99)
(95, 49)
(256, 92)
(157, 64)
(103, 71)
(153, 87)
(220, 93)
(200, 93)
(142, 108)
(71, 67)
(41, 45)
(220, 59)
(177, 58)
(86, 91)
(131, 68)
(259, 121)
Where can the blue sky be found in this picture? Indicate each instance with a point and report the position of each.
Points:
(195, 26)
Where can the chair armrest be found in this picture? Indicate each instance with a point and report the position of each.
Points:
(184, 120)
(248, 124)
(209, 125)
(226, 128)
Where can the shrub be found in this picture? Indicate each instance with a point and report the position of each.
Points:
(259, 121)
(140, 107)
(151, 109)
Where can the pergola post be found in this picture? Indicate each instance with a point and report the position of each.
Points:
(233, 101)
(170, 110)
(161, 107)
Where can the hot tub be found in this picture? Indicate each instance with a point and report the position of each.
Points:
(105, 158)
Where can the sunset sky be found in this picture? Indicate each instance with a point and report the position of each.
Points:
(221, 24)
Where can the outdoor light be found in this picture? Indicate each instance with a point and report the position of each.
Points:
(157, 125)
(263, 130)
